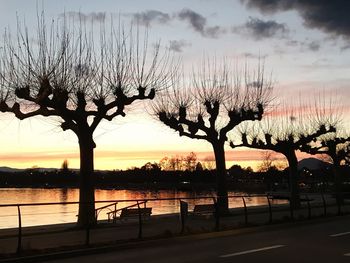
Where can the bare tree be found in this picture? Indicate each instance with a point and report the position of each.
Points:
(179, 162)
(347, 155)
(286, 131)
(68, 72)
(190, 161)
(209, 163)
(210, 105)
(267, 162)
(336, 147)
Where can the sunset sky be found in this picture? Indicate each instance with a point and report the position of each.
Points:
(305, 46)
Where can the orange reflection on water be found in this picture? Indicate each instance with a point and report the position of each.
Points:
(54, 214)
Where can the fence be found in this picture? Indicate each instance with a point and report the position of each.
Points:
(185, 219)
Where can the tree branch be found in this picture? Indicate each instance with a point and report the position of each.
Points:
(237, 117)
(24, 115)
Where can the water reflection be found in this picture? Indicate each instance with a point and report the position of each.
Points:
(53, 214)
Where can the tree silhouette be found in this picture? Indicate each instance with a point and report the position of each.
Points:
(64, 166)
(210, 105)
(286, 134)
(336, 146)
(68, 72)
(347, 155)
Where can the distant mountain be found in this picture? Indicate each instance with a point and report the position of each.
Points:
(312, 164)
(16, 170)
(10, 170)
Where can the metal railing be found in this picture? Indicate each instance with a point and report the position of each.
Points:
(183, 211)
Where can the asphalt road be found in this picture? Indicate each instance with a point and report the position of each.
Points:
(326, 241)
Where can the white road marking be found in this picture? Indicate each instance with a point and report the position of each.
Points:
(340, 234)
(251, 251)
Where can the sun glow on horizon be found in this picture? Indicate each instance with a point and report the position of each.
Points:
(113, 160)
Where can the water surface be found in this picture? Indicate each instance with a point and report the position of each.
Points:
(54, 214)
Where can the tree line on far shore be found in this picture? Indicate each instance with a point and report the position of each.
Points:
(267, 178)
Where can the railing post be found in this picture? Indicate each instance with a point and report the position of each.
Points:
(324, 205)
(270, 209)
(245, 211)
(87, 231)
(115, 213)
(291, 208)
(338, 200)
(308, 206)
(183, 214)
(140, 220)
(216, 214)
(19, 241)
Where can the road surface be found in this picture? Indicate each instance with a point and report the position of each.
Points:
(320, 241)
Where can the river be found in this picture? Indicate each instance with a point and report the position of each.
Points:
(55, 214)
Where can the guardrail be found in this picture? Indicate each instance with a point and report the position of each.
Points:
(183, 211)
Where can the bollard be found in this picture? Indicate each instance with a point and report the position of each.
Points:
(245, 211)
(270, 209)
(19, 242)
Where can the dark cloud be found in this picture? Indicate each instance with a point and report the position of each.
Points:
(94, 16)
(292, 43)
(314, 45)
(149, 16)
(214, 31)
(199, 23)
(260, 29)
(270, 6)
(196, 21)
(330, 16)
(178, 45)
(299, 46)
(309, 45)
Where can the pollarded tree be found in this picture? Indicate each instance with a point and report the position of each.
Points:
(347, 155)
(336, 146)
(284, 132)
(68, 72)
(212, 104)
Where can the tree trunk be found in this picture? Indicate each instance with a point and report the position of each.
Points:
(86, 215)
(293, 180)
(221, 182)
(338, 184)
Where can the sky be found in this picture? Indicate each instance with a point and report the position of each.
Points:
(304, 44)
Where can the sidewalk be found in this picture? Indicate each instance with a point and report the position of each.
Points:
(36, 240)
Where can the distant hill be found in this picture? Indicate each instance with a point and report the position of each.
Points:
(312, 164)
(10, 170)
(6, 169)
(16, 170)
